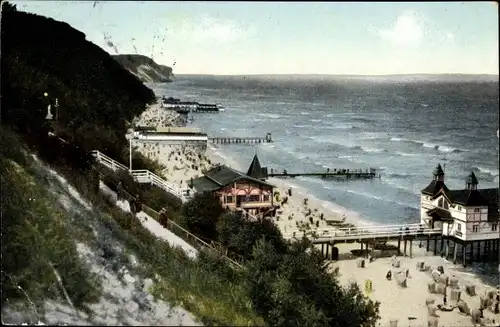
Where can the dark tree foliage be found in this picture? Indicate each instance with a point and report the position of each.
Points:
(293, 288)
(96, 95)
(201, 214)
(239, 235)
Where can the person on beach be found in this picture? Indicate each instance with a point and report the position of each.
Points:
(497, 309)
(388, 276)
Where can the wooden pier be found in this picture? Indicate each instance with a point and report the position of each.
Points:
(368, 236)
(330, 174)
(242, 140)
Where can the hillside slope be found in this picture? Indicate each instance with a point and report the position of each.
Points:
(145, 68)
(86, 270)
(97, 97)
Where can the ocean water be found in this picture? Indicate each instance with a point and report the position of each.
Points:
(402, 127)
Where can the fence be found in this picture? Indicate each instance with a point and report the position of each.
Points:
(142, 176)
(187, 236)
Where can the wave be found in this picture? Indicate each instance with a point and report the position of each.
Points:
(384, 199)
(442, 148)
(399, 175)
(404, 154)
(274, 116)
(486, 171)
(371, 150)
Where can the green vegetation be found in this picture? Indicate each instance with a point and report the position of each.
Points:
(37, 231)
(283, 284)
(97, 98)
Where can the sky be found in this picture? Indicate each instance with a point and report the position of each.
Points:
(340, 38)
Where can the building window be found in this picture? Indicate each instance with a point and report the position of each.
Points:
(446, 205)
(477, 210)
(266, 198)
(459, 227)
(229, 199)
(459, 208)
(494, 227)
(475, 228)
(254, 198)
(440, 203)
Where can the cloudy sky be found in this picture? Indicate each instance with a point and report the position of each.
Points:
(229, 38)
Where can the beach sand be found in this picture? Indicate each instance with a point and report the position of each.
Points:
(185, 162)
(399, 303)
(181, 162)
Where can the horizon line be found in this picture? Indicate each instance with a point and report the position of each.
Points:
(344, 75)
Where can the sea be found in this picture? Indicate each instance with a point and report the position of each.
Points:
(403, 126)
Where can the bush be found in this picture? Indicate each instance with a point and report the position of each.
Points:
(201, 214)
(294, 289)
(157, 198)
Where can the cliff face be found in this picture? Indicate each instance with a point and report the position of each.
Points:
(96, 95)
(145, 68)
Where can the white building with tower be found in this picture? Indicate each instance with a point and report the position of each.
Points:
(467, 216)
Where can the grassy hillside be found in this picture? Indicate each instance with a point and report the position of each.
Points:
(47, 222)
(145, 68)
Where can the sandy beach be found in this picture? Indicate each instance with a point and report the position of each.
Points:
(302, 211)
(408, 305)
(298, 211)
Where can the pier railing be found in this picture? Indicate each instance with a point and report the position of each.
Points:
(353, 173)
(358, 233)
(249, 139)
(142, 176)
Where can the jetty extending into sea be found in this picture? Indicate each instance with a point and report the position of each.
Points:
(330, 174)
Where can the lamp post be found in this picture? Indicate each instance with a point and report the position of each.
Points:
(130, 135)
(49, 117)
(49, 114)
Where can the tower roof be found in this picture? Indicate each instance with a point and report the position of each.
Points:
(255, 169)
(438, 171)
(471, 179)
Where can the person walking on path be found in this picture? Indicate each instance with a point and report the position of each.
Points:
(119, 191)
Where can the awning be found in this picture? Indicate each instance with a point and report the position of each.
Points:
(440, 214)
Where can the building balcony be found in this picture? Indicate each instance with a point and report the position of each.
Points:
(255, 204)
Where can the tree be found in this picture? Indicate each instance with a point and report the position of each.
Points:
(239, 234)
(294, 288)
(7, 6)
(201, 214)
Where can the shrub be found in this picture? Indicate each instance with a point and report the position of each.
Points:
(201, 214)
(293, 288)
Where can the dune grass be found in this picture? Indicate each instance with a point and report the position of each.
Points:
(37, 241)
(38, 230)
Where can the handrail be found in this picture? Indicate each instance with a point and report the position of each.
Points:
(199, 242)
(366, 234)
(349, 230)
(188, 235)
(141, 175)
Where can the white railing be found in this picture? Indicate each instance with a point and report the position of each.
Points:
(108, 162)
(142, 176)
(351, 233)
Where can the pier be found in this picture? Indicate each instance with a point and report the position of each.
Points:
(369, 236)
(242, 140)
(330, 174)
